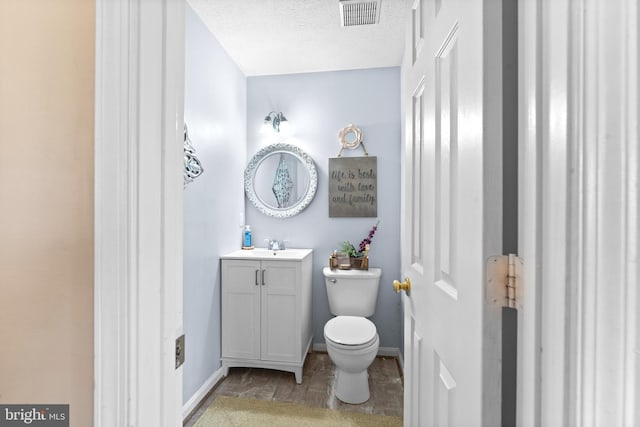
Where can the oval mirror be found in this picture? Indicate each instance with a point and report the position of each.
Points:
(280, 180)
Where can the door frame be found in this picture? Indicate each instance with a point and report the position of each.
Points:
(579, 210)
(138, 211)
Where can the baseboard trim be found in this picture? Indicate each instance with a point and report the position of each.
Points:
(201, 394)
(400, 362)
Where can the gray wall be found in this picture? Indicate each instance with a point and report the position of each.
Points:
(317, 106)
(215, 111)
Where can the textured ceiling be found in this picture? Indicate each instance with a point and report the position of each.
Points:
(295, 36)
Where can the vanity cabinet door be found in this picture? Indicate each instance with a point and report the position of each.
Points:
(241, 287)
(281, 338)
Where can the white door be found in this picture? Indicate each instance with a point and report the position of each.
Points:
(452, 213)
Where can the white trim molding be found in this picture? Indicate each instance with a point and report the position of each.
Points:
(201, 394)
(607, 377)
(138, 211)
(579, 196)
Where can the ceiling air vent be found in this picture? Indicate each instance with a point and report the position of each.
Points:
(359, 12)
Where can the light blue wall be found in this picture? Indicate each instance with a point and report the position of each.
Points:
(224, 111)
(317, 106)
(215, 111)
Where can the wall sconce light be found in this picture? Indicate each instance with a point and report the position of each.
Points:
(277, 122)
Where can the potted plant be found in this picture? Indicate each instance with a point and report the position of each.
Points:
(359, 258)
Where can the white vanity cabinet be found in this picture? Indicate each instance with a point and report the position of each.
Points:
(266, 309)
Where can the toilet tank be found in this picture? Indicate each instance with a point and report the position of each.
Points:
(352, 292)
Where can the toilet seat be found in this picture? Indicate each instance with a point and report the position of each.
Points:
(352, 332)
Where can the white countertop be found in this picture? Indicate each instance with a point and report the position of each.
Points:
(266, 254)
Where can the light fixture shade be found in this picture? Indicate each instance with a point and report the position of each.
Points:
(274, 121)
(266, 127)
(284, 125)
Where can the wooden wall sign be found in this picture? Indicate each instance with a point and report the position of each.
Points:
(353, 187)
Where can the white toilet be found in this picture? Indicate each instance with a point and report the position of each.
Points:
(352, 339)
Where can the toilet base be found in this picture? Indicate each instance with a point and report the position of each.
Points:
(352, 388)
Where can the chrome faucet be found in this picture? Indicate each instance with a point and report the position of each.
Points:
(275, 245)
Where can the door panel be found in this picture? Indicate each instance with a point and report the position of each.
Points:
(451, 202)
(241, 308)
(280, 310)
(415, 382)
(278, 341)
(415, 204)
(446, 163)
(444, 393)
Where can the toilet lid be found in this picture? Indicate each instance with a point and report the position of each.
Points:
(350, 330)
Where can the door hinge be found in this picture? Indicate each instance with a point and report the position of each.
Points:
(504, 281)
(179, 351)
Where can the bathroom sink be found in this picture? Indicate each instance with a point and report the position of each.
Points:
(264, 253)
(285, 253)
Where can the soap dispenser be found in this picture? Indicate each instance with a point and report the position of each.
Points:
(246, 238)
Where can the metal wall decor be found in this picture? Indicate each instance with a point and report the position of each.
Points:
(353, 187)
(192, 166)
(282, 183)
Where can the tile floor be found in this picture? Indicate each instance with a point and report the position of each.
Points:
(385, 382)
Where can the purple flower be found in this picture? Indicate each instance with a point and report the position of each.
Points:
(367, 240)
